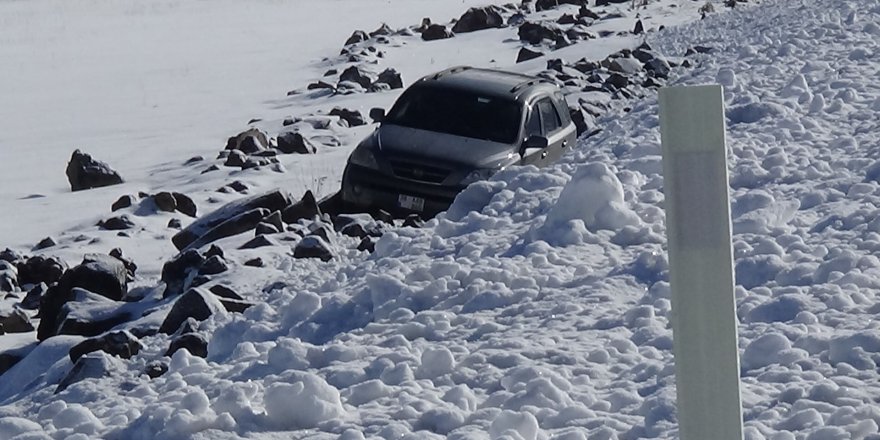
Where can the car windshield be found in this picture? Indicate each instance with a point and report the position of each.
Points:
(458, 113)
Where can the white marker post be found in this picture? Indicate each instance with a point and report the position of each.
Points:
(700, 263)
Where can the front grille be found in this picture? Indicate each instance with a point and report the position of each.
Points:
(418, 172)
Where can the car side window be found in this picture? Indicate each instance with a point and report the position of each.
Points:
(533, 124)
(549, 117)
(562, 108)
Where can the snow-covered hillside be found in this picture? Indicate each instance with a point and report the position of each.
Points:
(535, 308)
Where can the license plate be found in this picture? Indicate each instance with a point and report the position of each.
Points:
(410, 202)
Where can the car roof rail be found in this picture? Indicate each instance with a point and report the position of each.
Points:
(448, 71)
(529, 83)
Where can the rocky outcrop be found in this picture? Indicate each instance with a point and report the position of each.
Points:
(476, 19)
(436, 32)
(196, 303)
(84, 172)
(295, 143)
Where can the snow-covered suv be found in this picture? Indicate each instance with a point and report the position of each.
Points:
(453, 128)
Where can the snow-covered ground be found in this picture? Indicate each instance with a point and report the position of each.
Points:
(537, 307)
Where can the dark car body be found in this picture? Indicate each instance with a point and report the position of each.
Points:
(451, 129)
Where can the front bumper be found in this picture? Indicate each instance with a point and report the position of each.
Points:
(368, 189)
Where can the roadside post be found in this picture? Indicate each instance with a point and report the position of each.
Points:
(698, 231)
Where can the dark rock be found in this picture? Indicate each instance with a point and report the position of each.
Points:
(256, 162)
(45, 243)
(352, 118)
(213, 266)
(357, 37)
(561, 41)
(194, 159)
(567, 19)
(258, 242)
(179, 271)
(608, 2)
(639, 28)
(264, 228)
(391, 77)
(249, 141)
(10, 256)
(242, 223)
(235, 158)
(320, 85)
(295, 143)
(185, 204)
(8, 359)
(383, 30)
(535, 33)
(625, 65)
(118, 223)
(476, 19)
(584, 11)
(210, 169)
(194, 343)
(275, 219)
(121, 344)
(165, 201)
(215, 251)
(321, 230)
(579, 119)
(254, 262)
(83, 172)
(8, 278)
(384, 216)
(271, 201)
(526, 54)
(225, 292)
(617, 81)
(579, 32)
(436, 32)
(516, 19)
(155, 369)
(175, 223)
(85, 314)
(413, 221)
(235, 305)
(357, 76)
(130, 266)
(15, 321)
(101, 274)
(354, 230)
(40, 269)
(122, 202)
(658, 67)
(312, 246)
(31, 301)
(305, 208)
(92, 366)
(644, 56)
(543, 5)
(196, 303)
(367, 244)
(585, 66)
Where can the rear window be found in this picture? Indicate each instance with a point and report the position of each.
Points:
(458, 113)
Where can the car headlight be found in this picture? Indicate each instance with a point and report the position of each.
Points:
(478, 174)
(364, 157)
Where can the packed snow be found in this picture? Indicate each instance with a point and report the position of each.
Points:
(537, 306)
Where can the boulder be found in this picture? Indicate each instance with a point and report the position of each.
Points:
(272, 201)
(185, 205)
(295, 143)
(254, 262)
(241, 223)
(305, 208)
(165, 201)
(357, 76)
(258, 242)
(180, 270)
(40, 269)
(639, 28)
(91, 366)
(45, 244)
(196, 303)
(617, 81)
(625, 65)
(526, 54)
(10, 256)
(123, 202)
(15, 321)
(213, 266)
(384, 30)
(155, 369)
(8, 277)
(249, 141)
(436, 32)
(194, 343)
(658, 67)
(413, 221)
(117, 223)
(264, 228)
(577, 116)
(352, 118)
(367, 244)
(543, 5)
(235, 158)
(357, 37)
(585, 12)
(566, 19)
(85, 314)
(83, 172)
(31, 301)
(535, 33)
(476, 19)
(313, 246)
(120, 344)
(130, 266)
(389, 77)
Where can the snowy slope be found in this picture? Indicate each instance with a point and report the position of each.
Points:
(537, 307)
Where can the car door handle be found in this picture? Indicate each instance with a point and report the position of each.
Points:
(564, 144)
(543, 154)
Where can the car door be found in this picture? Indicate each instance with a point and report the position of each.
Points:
(533, 128)
(568, 127)
(553, 129)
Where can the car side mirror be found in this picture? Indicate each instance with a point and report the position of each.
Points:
(377, 114)
(533, 144)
